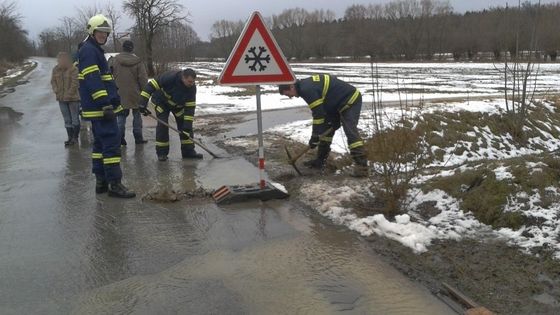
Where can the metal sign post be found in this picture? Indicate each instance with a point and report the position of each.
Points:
(262, 182)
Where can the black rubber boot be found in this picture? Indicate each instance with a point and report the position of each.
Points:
(118, 190)
(360, 167)
(76, 133)
(139, 139)
(321, 159)
(101, 185)
(162, 158)
(70, 133)
(192, 154)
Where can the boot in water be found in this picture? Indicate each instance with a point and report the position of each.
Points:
(70, 141)
(118, 190)
(192, 154)
(101, 185)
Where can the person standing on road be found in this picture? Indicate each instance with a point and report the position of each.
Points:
(173, 91)
(64, 82)
(130, 77)
(100, 105)
(333, 103)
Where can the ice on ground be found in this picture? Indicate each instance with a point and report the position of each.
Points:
(334, 203)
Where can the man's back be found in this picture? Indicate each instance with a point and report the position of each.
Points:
(130, 76)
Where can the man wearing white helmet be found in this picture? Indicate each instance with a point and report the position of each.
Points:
(100, 104)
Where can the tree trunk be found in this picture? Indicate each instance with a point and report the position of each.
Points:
(149, 56)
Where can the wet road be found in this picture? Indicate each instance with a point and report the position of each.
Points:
(65, 250)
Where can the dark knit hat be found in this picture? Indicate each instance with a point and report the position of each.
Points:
(128, 46)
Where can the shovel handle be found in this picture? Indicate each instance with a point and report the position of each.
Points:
(302, 153)
(185, 133)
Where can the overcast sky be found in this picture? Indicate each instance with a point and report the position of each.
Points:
(38, 15)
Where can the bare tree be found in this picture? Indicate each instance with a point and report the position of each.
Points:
(224, 34)
(14, 42)
(151, 17)
(115, 16)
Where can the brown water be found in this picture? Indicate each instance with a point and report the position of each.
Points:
(65, 250)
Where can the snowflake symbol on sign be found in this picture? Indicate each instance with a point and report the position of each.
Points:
(257, 59)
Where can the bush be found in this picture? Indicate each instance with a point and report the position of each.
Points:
(397, 155)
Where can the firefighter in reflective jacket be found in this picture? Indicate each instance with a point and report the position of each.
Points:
(100, 104)
(172, 92)
(333, 103)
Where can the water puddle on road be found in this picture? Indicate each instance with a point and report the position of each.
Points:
(262, 259)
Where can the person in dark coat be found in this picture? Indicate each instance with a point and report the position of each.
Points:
(333, 103)
(172, 92)
(130, 77)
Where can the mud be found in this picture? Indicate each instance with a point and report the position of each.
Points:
(489, 271)
(163, 194)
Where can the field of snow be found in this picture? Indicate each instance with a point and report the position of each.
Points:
(474, 87)
(397, 81)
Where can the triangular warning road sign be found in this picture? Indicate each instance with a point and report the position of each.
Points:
(256, 58)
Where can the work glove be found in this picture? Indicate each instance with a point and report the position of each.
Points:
(144, 110)
(314, 141)
(108, 112)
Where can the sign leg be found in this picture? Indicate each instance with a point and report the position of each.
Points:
(261, 142)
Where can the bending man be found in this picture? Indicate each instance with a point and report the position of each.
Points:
(172, 92)
(333, 103)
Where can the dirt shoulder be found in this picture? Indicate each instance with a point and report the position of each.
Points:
(486, 269)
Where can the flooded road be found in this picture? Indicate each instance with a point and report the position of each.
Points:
(65, 250)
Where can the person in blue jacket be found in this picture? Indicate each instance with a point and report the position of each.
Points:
(172, 92)
(100, 104)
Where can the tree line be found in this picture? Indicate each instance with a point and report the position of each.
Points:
(402, 30)
(13, 40)
(406, 30)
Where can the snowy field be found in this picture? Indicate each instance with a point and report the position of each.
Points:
(398, 82)
(452, 87)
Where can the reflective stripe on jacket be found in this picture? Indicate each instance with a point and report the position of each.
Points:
(169, 91)
(97, 86)
(326, 96)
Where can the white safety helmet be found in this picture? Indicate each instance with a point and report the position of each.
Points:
(98, 23)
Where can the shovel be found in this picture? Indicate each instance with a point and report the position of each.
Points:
(203, 147)
(295, 158)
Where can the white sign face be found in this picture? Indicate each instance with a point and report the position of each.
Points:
(257, 59)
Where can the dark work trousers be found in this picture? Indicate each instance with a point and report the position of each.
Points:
(106, 153)
(349, 119)
(162, 132)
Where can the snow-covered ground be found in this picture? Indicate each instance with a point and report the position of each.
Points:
(474, 87)
(13, 73)
(397, 81)
(451, 222)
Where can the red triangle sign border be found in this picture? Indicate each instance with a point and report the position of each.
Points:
(256, 24)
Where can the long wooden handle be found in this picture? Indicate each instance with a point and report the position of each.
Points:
(302, 153)
(186, 134)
